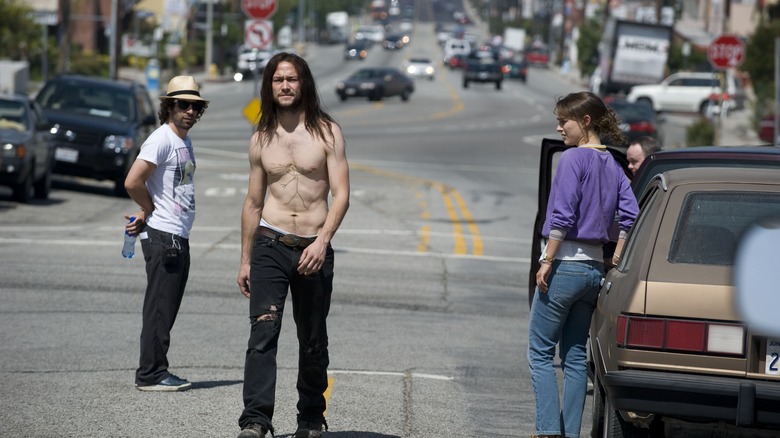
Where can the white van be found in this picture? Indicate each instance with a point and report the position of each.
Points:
(455, 46)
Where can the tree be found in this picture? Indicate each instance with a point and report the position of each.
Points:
(20, 36)
(588, 45)
(760, 64)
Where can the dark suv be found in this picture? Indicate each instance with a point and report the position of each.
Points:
(100, 125)
(483, 70)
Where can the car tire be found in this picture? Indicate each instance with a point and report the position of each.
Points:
(22, 191)
(498, 85)
(342, 96)
(616, 427)
(42, 187)
(405, 95)
(597, 426)
(465, 84)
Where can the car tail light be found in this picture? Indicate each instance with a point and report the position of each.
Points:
(645, 127)
(681, 335)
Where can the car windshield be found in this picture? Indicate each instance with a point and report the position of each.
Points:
(93, 100)
(419, 61)
(711, 222)
(12, 115)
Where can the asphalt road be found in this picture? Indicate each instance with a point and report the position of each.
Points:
(429, 320)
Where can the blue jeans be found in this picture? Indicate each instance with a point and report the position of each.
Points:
(562, 315)
(273, 272)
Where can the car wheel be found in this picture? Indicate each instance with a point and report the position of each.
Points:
(22, 191)
(465, 84)
(405, 95)
(43, 185)
(616, 427)
(498, 85)
(342, 96)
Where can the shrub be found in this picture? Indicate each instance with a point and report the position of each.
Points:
(700, 133)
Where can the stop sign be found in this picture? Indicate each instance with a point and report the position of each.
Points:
(726, 51)
(259, 8)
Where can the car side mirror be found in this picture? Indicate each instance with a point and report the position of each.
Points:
(756, 277)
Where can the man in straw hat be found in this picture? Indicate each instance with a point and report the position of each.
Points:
(296, 158)
(161, 183)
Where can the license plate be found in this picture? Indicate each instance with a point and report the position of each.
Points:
(350, 91)
(772, 356)
(66, 155)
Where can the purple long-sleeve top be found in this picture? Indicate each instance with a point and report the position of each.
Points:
(588, 189)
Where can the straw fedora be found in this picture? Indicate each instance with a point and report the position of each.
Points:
(184, 88)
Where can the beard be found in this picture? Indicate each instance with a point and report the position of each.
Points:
(295, 105)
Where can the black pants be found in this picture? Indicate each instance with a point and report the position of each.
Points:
(167, 259)
(273, 272)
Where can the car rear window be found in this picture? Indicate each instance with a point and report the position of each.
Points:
(711, 222)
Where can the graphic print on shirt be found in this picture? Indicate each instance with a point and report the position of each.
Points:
(183, 181)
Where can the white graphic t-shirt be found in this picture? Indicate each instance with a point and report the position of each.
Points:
(172, 185)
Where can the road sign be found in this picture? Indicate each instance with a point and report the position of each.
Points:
(259, 8)
(258, 34)
(726, 51)
(252, 111)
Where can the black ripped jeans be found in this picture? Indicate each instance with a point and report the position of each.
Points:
(274, 270)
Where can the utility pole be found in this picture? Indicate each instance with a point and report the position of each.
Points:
(208, 59)
(112, 49)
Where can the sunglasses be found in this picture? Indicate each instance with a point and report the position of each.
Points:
(184, 105)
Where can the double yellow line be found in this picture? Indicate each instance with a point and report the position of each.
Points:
(457, 212)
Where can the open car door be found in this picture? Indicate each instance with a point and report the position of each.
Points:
(548, 161)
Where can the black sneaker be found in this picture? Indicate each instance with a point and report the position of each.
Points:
(169, 384)
(253, 430)
(308, 429)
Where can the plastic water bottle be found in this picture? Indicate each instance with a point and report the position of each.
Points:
(128, 250)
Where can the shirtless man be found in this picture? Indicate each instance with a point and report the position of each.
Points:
(296, 156)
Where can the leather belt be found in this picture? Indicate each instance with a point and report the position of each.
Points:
(290, 240)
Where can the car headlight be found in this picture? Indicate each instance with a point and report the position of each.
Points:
(118, 143)
(11, 150)
(368, 86)
(340, 86)
(429, 70)
(411, 69)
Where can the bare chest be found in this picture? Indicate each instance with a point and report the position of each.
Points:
(294, 155)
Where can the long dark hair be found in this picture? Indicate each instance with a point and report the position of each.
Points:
(316, 119)
(575, 106)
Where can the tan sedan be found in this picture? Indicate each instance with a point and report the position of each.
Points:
(669, 354)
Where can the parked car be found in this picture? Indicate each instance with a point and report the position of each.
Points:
(420, 67)
(766, 128)
(357, 50)
(637, 119)
(376, 83)
(485, 70)
(716, 156)
(669, 353)
(26, 152)
(538, 57)
(251, 61)
(690, 92)
(515, 69)
(100, 125)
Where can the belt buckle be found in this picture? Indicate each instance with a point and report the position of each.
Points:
(290, 240)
